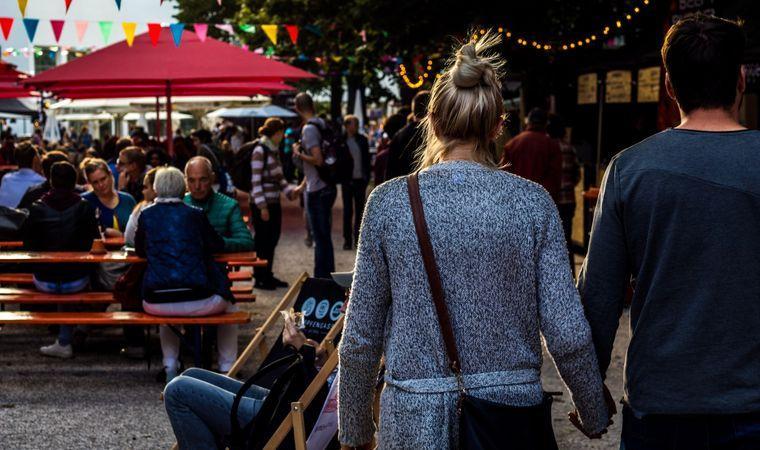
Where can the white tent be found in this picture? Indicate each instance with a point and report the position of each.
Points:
(151, 115)
(253, 113)
(83, 117)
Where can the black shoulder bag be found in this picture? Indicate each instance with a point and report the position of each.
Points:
(483, 424)
(288, 387)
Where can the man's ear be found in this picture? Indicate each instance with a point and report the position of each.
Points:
(669, 87)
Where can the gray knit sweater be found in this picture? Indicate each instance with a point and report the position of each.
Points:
(499, 247)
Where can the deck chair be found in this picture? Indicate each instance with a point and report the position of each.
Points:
(295, 421)
(324, 322)
(320, 300)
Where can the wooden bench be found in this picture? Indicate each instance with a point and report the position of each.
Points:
(32, 296)
(116, 318)
(26, 278)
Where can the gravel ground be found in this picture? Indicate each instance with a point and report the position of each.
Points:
(99, 400)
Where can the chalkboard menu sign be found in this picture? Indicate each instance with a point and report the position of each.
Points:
(649, 85)
(618, 87)
(587, 89)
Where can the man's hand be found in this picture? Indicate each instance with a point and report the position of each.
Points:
(123, 180)
(265, 215)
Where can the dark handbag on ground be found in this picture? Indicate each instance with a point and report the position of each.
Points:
(128, 288)
(288, 388)
(11, 223)
(483, 424)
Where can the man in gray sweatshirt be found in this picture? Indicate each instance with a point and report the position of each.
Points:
(679, 218)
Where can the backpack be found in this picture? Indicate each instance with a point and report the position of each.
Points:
(240, 171)
(287, 388)
(337, 163)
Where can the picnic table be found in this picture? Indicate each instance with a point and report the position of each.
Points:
(113, 243)
(199, 344)
(119, 256)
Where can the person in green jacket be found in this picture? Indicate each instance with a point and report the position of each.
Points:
(222, 211)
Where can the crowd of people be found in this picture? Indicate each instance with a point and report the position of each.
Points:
(679, 226)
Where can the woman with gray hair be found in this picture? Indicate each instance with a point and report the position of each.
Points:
(504, 283)
(181, 280)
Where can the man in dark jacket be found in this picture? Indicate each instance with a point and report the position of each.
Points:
(403, 148)
(678, 215)
(61, 221)
(35, 192)
(534, 155)
(354, 186)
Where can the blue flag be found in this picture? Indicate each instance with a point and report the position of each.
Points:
(177, 29)
(118, 4)
(31, 27)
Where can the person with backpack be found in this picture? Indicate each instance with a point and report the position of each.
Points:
(267, 182)
(199, 402)
(319, 169)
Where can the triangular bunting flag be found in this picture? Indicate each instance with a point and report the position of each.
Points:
(7, 24)
(336, 58)
(292, 32)
(81, 29)
(201, 29)
(68, 4)
(154, 30)
(22, 6)
(31, 27)
(177, 29)
(105, 30)
(57, 26)
(118, 5)
(225, 27)
(248, 28)
(219, 2)
(271, 32)
(129, 31)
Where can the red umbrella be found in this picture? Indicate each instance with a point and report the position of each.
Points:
(217, 67)
(111, 91)
(10, 82)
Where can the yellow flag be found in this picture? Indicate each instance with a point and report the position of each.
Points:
(129, 31)
(22, 6)
(271, 32)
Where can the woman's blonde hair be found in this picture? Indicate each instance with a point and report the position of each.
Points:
(466, 106)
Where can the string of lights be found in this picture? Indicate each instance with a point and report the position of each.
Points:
(543, 45)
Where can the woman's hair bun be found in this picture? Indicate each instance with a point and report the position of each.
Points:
(477, 63)
(468, 69)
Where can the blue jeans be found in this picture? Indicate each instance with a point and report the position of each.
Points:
(690, 432)
(319, 205)
(199, 402)
(65, 332)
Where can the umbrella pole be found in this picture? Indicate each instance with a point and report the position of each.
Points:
(169, 131)
(158, 120)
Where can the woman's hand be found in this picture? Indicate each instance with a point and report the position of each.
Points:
(368, 446)
(611, 411)
(113, 232)
(292, 335)
(265, 215)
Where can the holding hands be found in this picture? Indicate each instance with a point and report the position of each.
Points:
(611, 411)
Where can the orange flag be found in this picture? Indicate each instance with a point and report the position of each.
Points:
(22, 6)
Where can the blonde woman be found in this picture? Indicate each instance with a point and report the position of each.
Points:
(499, 247)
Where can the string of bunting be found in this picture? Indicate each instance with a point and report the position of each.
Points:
(154, 29)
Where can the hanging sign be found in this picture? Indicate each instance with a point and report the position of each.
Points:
(649, 85)
(587, 89)
(618, 86)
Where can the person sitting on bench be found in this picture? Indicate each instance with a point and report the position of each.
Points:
(199, 402)
(61, 220)
(181, 279)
